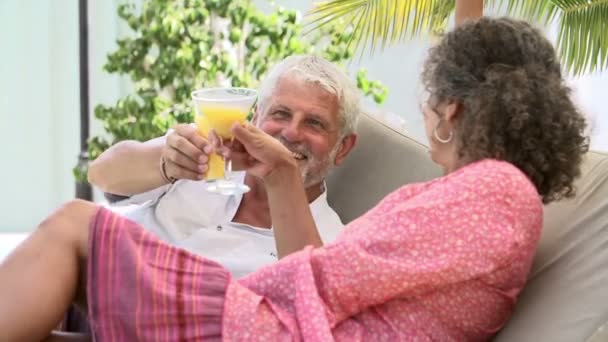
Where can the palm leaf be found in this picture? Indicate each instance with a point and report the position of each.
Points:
(583, 24)
(541, 11)
(441, 13)
(583, 35)
(377, 22)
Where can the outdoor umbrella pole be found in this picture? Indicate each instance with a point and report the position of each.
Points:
(75, 321)
(83, 189)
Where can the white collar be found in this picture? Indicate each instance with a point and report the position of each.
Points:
(317, 206)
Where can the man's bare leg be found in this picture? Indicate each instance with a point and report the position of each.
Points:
(45, 274)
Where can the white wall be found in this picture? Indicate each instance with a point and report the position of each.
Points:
(590, 93)
(39, 101)
(38, 108)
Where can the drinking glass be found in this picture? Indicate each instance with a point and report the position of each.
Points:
(216, 110)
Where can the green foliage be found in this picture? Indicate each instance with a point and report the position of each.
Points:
(373, 89)
(179, 46)
(377, 21)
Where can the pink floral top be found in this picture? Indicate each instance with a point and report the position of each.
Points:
(438, 261)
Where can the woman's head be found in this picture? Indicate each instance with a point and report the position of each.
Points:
(496, 91)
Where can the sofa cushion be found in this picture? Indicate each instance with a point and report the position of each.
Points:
(566, 298)
(382, 161)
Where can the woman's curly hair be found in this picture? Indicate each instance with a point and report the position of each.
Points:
(515, 104)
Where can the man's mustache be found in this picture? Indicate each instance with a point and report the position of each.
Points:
(297, 148)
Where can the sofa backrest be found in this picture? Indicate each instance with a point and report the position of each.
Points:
(566, 298)
(382, 160)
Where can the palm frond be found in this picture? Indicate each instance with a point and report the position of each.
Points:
(583, 35)
(542, 11)
(441, 12)
(377, 22)
(583, 24)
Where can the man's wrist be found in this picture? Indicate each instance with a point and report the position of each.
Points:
(163, 172)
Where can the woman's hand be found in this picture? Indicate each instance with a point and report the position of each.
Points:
(258, 153)
(265, 157)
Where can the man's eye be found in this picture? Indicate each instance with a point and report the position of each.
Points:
(280, 114)
(316, 123)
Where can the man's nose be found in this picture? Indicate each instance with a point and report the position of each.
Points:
(292, 132)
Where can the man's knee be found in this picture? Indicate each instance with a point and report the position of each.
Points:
(71, 222)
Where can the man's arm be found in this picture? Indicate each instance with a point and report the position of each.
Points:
(468, 10)
(132, 167)
(129, 167)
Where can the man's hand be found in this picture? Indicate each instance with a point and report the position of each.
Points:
(186, 153)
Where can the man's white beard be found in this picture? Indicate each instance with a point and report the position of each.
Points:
(312, 170)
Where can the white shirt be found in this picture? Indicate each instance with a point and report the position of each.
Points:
(186, 215)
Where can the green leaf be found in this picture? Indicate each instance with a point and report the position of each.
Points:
(583, 35)
(377, 22)
(541, 11)
(583, 24)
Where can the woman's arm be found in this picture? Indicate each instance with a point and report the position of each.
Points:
(292, 221)
(266, 158)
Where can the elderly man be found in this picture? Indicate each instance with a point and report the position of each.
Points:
(306, 103)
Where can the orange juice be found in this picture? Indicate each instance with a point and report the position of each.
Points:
(220, 119)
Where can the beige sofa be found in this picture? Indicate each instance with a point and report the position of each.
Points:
(566, 298)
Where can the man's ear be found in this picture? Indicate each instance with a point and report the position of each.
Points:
(346, 145)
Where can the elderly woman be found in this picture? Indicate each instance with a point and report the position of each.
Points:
(443, 260)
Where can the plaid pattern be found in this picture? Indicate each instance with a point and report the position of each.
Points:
(141, 289)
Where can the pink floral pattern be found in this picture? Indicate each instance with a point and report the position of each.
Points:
(438, 261)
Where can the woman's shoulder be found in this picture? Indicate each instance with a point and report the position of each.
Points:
(489, 181)
(491, 166)
(494, 174)
(494, 181)
(485, 175)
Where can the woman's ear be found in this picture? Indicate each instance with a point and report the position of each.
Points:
(451, 111)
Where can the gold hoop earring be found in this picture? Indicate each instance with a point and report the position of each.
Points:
(440, 139)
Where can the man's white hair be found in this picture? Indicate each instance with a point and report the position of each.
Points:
(320, 71)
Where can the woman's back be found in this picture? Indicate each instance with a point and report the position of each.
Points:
(447, 258)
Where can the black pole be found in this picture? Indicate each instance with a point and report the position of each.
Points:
(74, 320)
(83, 189)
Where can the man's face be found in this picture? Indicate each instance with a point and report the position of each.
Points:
(304, 117)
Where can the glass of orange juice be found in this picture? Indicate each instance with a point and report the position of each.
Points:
(216, 110)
